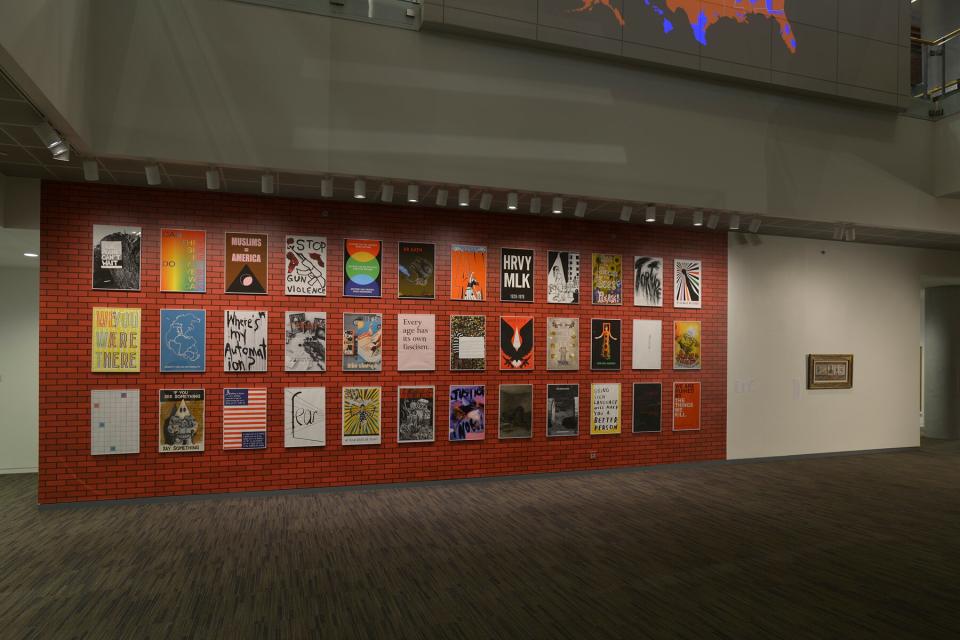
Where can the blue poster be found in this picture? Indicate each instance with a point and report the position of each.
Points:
(183, 340)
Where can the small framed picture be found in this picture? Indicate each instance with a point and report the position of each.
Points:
(829, 371)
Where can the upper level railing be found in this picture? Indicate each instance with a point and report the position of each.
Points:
(935, 73)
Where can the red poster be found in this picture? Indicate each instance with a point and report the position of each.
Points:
(686, 406)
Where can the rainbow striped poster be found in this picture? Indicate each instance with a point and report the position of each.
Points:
(183, 260)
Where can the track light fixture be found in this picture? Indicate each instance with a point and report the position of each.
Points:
(413, 193)
(61, 152)
(713, 221)
(838, 232)
(386, 192)
(558, 205)
(213, 179)
(266, 183)
(698, 218)
(754, 225)
(463, 197)
(535, 204)
(669, 216)
(486, 201)
(850, 235)
(360, 189)
(91, 170)
(581, 210)
(626, 212)
(326, 187)
(442, 197)
(734, 222)
(512, 201)
(651, 214)
(152, 172)
(48, 136)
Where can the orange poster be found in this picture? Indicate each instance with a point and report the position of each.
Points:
(468, 272)
(686, 406)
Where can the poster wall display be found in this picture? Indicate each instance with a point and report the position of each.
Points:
(563, 277)
(305, 259)
(244, 341)
(362, 342)
(686, 344)
(361, 415)
(607, 279)
(516, 275)
(183, 260)
(604, 408)
(244, 419)
(116, 257)
(830, 371)
(647, 344)
(467, 343)
(114, 421)
(305, 341)
(687, 281)
(563, 344)
(183, 342)
(467, 412)
(647, 281)
(182, 413)
(604, 344)
(647, 407)
(115, 340)
(563, 409)
(686, 406)
(245, 263)
(468, 272)
(416, 413)
(417, 338)
(516, 343)
(416, 270)
(304, 417)
(516, 411)
(362, 268)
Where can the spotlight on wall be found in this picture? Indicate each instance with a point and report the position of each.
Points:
(581, 209)
(91, 170)
(61, 152)
(698, 218)
(463, 197)
(267, 183)
(651, 214)
(754, 225)
(442, 197)
(486, 201)
(669, 216)
(713, 221)
(512, 201)
(535, 204)
(626, 212)
(734, 222)
(557, 205)
(359, 189)
(29, 254)
(213, 179)
(326, 187)
(152, 172)
(413, 193)
(386, 192)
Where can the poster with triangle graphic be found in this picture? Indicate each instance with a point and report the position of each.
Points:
(245, 263)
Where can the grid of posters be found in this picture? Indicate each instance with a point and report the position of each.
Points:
(114, 421)
(516, 275)
(563, 409)
(563, 277)
(416, 410)
(183, 342)
(305, 341)
(647, 343)
(516, 411)
(182, 420)
(360, 415)
(467, 412)
(245, 263)
(115, 340)
(362, 268)
(647, 281)
(416, 342)
(183, 260)
(416, 270)
(467, 343)
(468, 272)
(244, 341)
(607, 279)
(304, 417)
(604, 344)
(305, 259)
(516, 343)
(244, 419)
(686, 406)
(116, 257)
(604, 408)
(686, 344)
(362, 342)
(563, 344)
(647, 407)
(687, 280)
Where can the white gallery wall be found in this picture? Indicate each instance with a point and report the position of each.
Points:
(19, 369)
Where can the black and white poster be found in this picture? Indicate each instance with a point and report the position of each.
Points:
(416, 414)
(604, 344)
(304, 417)
(516, 275)
(305, 341)
(647, 281)
(116, 257)
(563, 277)
(563, 409)
(244, 341)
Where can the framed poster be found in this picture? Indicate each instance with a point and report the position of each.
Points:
(516, 275)
(361, 415)
(362, 268)
(829, 371)
(647, 407)
(686, 344)
(467, 412)
(647, 343)
(563, 344)
(244, 419)
(115, 343)
(417, 342)
(183, 260)
(183, 340)
(604, 408)
(516, 411)
(686, 406)
(416, 413)
(563, 410)
(687, 281)
(467, 343)
(607, 279)
(563, 277)
(305, 261)
(468, 272)
(647, 281)
(516, 343)
(305, 341)
(245, 263)
(182, 413)
(604, 344)
(244, 341)
(416, 270)
(116, 257)
(114, 421)
(304, 417)
(362, 342)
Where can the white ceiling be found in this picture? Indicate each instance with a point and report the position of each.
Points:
(14, 243)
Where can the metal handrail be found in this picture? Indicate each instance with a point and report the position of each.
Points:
(939, 41)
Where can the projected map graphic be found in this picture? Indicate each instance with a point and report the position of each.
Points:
(703, 15)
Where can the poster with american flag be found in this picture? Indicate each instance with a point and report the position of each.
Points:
(244, 418)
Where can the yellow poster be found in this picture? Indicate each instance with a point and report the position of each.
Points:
(686, 344)
(116, 340)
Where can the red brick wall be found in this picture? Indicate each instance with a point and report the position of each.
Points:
(69, 473)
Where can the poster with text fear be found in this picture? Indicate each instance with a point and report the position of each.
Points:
(305, 341)
(516, 343)
(607, 279)
(181, 420)
(686, 344)
(468, 272)
(115, 340)
(416, 267)
(183, 343)
(563, 277)
(605, 344)
(304, 417)
(415, 414)
(563, 344)
(362, 341)
(516, 275)
(361, 415)
(245, 263)
(604, 408)
(183, 260)
(244, 341)
(467, 412)
(362, 266)
(116, 257)
(686, 406)
(416, 349)
(306, 266)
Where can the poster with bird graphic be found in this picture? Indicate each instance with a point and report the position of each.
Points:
(516, 343)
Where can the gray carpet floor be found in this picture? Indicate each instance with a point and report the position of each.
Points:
(836, 547)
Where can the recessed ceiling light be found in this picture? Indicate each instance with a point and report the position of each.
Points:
(512, 201)
(413, 193)
(651, 213)
(698, 218)
(31, 255)
(558, 205)
(359, 189)
(734, 222)
(464, 197)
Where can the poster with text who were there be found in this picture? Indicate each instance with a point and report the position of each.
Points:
(115, 340)
(362, 268)
(244, 341)
(183, 260)
(604, 408)
(182, 420)
(183, 343)
(305, 259)
(468, 419)
(116, 257)
(304, 417)
(245, 263)
(416, 270)
(516, 275)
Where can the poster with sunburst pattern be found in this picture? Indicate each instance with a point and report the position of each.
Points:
(687, 284)
(361, 415)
